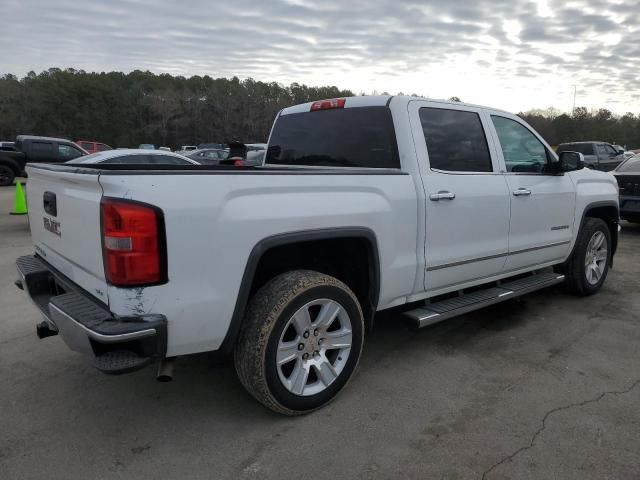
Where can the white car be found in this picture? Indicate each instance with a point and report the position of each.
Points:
(135, 157)
(363, 204)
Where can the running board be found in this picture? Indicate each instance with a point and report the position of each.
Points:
(436, 312)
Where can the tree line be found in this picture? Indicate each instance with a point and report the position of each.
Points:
(584, 125)
(125, 110)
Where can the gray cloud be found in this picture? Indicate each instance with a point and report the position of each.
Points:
(594, 42)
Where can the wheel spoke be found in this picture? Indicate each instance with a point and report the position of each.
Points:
(597, 273)
(298, 378)
(287, 351)
(599, 240)
(326, 372)
(301, 321)
(328, 314)
(339, 339)
(589, 273)
(601, 255)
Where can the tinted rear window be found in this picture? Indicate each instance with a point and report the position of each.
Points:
(344, 137)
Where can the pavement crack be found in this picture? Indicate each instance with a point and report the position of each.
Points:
(543, 425)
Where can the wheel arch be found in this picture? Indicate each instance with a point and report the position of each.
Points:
(303, 239)
(609, 212)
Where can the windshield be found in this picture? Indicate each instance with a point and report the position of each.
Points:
(344, 137)
(631, 165)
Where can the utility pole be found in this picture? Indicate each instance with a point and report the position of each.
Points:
(575, 91)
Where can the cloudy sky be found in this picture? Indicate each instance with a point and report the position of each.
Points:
(511, 54)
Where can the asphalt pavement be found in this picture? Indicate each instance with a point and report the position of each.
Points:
(546, 386)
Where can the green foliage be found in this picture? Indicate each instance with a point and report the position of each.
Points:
(585, 125)
(125, 110)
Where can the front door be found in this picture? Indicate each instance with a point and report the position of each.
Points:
(542, 203)
(467, 202)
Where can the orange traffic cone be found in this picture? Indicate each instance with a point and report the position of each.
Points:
(19, 203)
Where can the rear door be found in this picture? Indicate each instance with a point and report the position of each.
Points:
(64, 216)
(542, 203)
(467, 211)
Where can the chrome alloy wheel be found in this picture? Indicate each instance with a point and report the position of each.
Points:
(595, 261)
(314, 347)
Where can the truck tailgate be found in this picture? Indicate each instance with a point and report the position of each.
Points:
(64, 216)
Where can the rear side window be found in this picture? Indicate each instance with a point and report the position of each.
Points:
(456, 141)
(42, 148)
(344, 137)
(583, 148)
(102, 147)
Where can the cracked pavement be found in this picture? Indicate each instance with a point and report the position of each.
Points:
(547, 386)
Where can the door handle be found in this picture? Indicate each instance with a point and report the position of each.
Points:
(522, 192)
(442, 195)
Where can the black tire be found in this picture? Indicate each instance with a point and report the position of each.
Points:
(268, 314)
(7, 175)
(575, 269)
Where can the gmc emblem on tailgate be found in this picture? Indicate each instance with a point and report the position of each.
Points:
(52, 226)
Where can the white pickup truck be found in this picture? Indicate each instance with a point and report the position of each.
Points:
(363, 204)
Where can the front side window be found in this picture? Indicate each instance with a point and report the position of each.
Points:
(609, 150)
(522, 151)
(68, 152)
(456, 141)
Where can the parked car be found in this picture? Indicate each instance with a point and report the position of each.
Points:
(164, 149)
(93, 147)
(134, 157)
(363, 204)
(186, 148)
(628, 177)
(33, 149)
(219, 146)
(208, 156)
(147, 146)
(597, 155)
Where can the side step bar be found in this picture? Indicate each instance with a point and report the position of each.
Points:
(436, 312)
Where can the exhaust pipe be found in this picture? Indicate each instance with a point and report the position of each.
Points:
(165, 369)
(43, 330)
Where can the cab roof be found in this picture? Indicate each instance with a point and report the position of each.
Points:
(381, 101)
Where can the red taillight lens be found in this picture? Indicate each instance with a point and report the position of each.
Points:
(131, 243)
(328, 104)
(238, 163)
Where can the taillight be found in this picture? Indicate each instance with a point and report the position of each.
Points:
(238, 163)
(133, 245)
(328, 104)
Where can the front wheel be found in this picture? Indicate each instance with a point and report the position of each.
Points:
(300, 342)
(588, 266)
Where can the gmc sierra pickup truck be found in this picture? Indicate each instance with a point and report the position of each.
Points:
(363, 204)
(29, 149)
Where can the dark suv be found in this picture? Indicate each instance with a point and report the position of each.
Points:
(628, 176)
(597, 155)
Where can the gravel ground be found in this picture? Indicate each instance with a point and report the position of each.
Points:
(547, 386)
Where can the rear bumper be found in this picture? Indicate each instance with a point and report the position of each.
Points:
(86, 325)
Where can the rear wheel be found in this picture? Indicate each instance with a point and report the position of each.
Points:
(588, 266)
(7, 176)
(301, 341)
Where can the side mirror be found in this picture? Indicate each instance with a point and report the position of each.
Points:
(570, 161)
